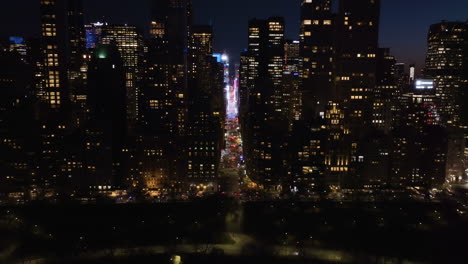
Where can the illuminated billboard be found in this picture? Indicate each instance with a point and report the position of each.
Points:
(424, 84)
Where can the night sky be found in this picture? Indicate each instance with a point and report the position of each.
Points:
(404, 23)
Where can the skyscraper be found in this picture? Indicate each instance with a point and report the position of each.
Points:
(265, 124)
(205, 118)
(446, 62)
(106, 129)
(62, 51)
(130, 44)
(358, 25)
(386, 96)
(318, 50)
(164, 96)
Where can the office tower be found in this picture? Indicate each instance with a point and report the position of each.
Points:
(106, 128)
(266, 47)
(317, 52)
(266, 60)
(446, 62)
(265, 125)
(54, 30)
(291, 104)
(204, 127)
(170, 24)
(275, 51)
(355, 77)
(385, 113)
(130, 44)
(62, 47)
(201, 48)
(370, 164)
(164, 97)
(356, 63)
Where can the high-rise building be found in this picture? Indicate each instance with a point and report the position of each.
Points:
(164, 98)
(445, 63)
(62, 49)
(291, 105)
(318, 55)
(62, 44)
(385, 109)
(355, 79)
(265, 124)
(106, 129)
(358, 24)
(205, 118)
(130, 44)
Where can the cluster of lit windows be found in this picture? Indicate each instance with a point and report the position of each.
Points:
(157, 29)
(54, 98)
(153, 152)
(11, 143)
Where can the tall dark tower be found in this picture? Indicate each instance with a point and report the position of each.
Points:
(356, 62)
(355, 81)
(386, 96)
(107, 126)
(130, 45)
(164, 96)
(171, 21)
(318, 28)
(204, 127)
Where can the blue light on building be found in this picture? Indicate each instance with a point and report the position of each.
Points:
(17, 40)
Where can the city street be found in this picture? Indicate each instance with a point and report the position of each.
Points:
(232, 155)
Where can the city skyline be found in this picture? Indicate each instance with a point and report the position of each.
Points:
(403, 26)
(191, 131)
